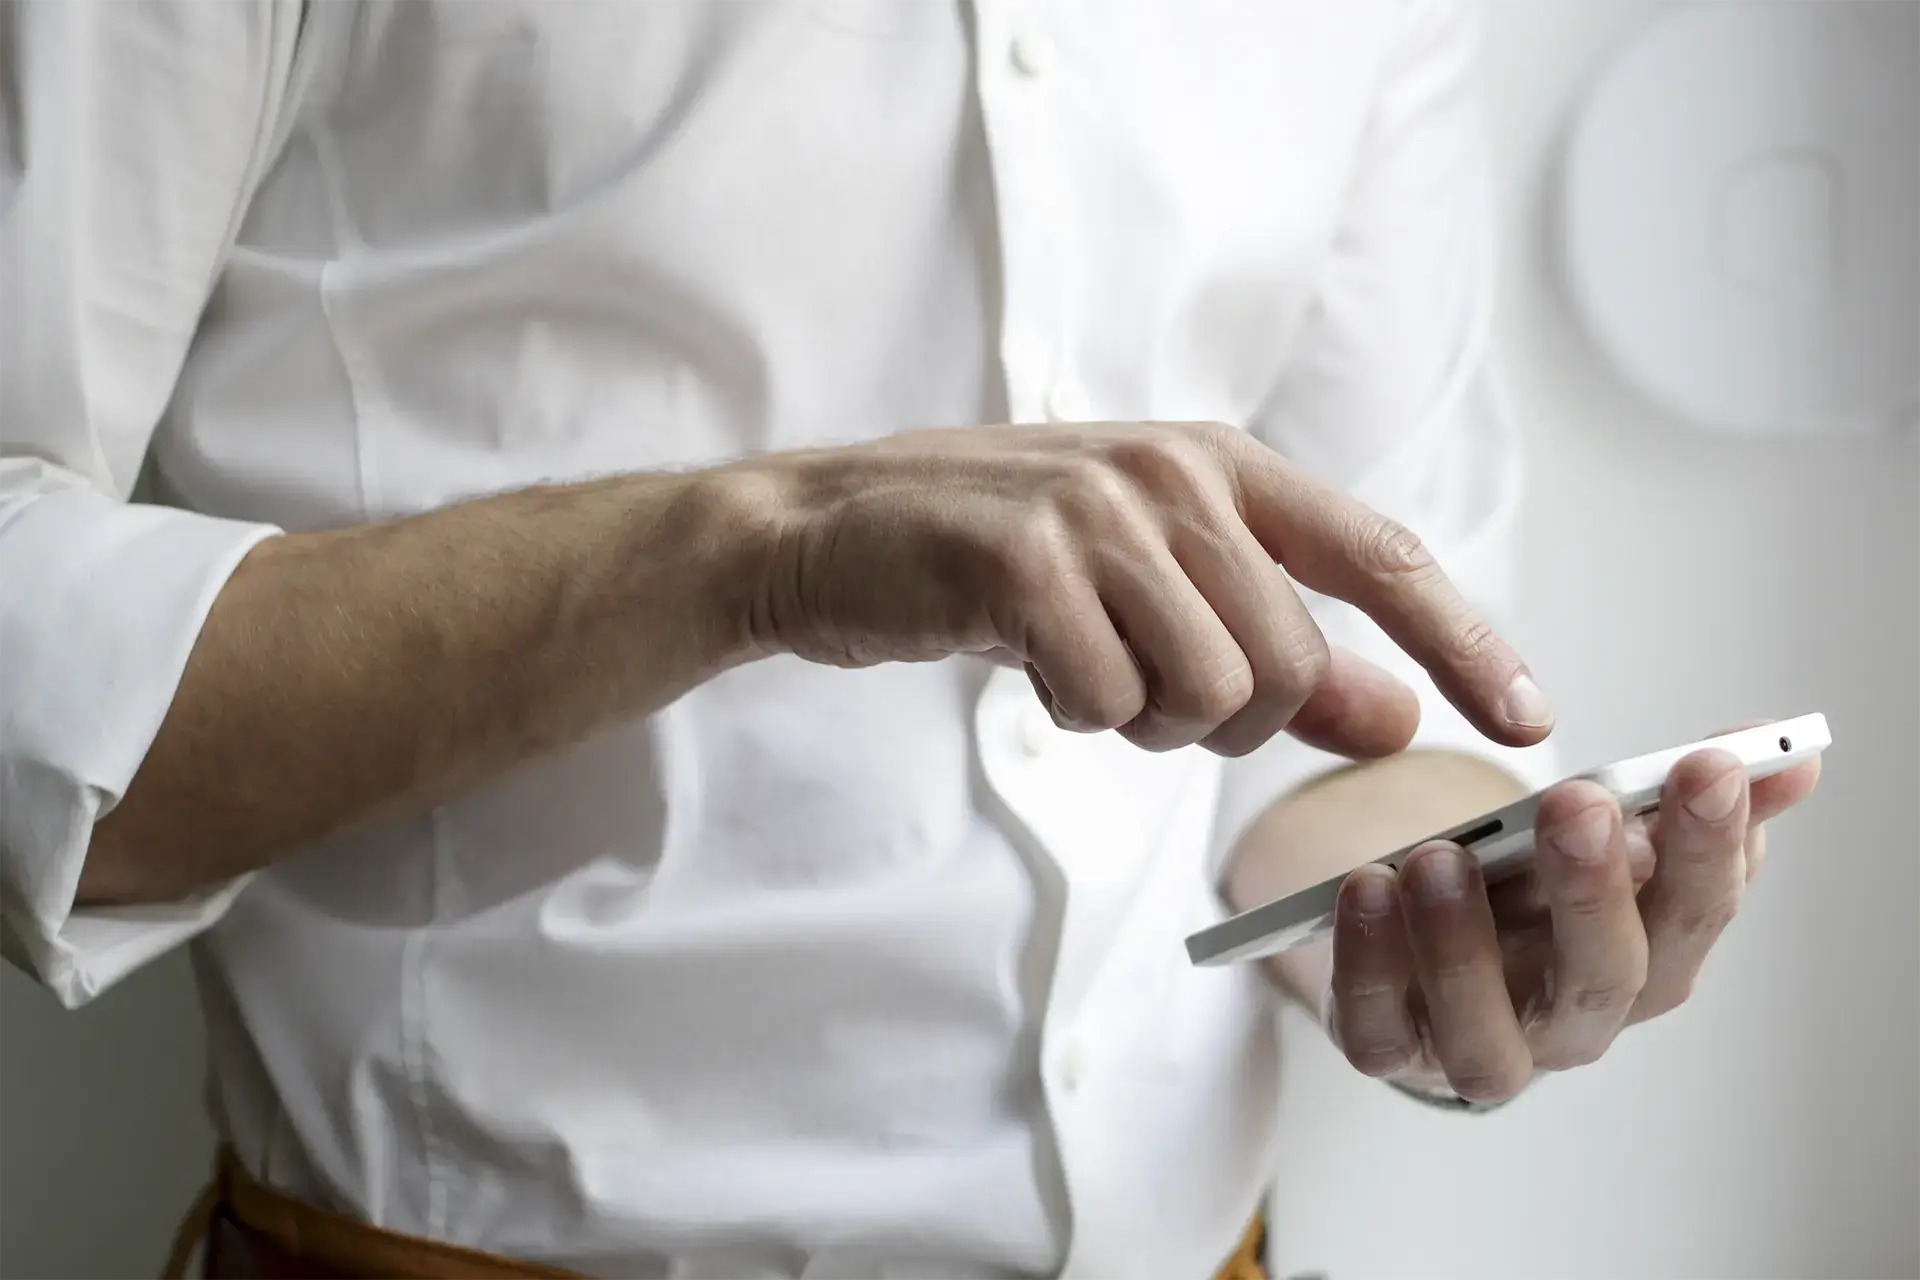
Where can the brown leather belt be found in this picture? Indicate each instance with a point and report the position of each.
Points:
(253, 1232)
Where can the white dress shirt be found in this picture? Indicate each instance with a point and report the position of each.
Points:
(816, 972)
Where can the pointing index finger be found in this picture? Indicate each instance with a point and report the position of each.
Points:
(1340, 547)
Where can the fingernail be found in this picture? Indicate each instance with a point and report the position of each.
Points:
(1372, 892)
(1716, 802)
(1527, 704)
(1441, 872)
(1584, 836)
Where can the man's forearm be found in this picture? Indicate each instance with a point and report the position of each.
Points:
(1346, 818)
(344, 674)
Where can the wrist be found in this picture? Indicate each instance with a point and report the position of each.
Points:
(733, 525)
(784, 517)
(654, 574)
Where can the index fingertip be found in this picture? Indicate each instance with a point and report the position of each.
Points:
(1527, 709)
(1517, 715)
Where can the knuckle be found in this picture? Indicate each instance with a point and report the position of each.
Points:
(1163, 462)
(1091, 491)
(1589, 905)
(1366, 992)
(1216, 438)
(1604, 999)
(1305, 660)
(1369, 1036)
(1036, 552)
(1038, 533)
(1388, 549)
(1283, 683)
(1705, 860)
(1708, 919)
(1477, 639)
(1224, 692)
(1450, 972)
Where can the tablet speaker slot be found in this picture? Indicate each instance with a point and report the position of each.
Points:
(1467, 838)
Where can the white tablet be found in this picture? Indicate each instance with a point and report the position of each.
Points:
(1502, 840)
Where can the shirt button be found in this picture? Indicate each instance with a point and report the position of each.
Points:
(1068, 403)
(1036, 732)
(1032, 54)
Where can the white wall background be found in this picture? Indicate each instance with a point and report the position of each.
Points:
(1773, 1129)
(1673, 583)
(103, 1141)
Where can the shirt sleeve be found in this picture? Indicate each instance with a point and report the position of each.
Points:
(1391, 393)
(131, 137)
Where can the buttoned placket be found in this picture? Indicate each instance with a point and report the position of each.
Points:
(1034, 765)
